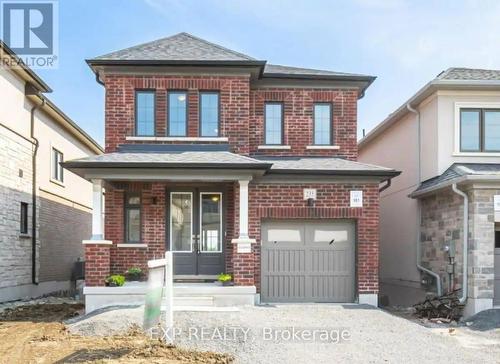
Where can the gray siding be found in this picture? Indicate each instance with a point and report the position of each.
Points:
(62, 229)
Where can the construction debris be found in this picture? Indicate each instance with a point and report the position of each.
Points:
(446, 308)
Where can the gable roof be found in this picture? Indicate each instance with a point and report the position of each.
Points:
(178, 47)
(454, 78)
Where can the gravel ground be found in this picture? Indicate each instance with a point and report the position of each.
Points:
(375, 336)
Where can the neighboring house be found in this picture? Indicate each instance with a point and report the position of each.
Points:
(236, 166)
(37, 255)
(446, 141)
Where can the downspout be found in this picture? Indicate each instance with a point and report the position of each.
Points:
(98, 78)
(386, 186)
(465, 241)
(33, 192)
(419, 209)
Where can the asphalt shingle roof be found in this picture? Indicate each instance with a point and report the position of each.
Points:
(184, 47)
(469, 74)
(457, 170)
(178, 47)
(167, 159)
(324, 164)
(275, 69)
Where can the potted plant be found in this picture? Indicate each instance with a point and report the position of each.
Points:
(225, 279)
(115, 280)
(134, 274)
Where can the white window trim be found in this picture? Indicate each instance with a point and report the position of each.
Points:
(456, 131)
(132, 245)
(177, 139)
(324, 147)
(283, 147)
(52, 161)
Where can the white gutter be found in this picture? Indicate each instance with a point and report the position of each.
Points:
(419, 212)
(465, 241)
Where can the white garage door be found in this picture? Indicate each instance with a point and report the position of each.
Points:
(308, 261)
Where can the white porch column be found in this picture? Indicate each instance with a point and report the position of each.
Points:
(243, 242)
(97, 215)
(243, 209)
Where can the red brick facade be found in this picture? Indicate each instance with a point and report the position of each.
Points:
(242, 122)
(241, 112)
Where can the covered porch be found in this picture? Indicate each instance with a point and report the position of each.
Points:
(192, 202)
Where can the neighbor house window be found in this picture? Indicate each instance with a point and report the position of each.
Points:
(132, 218)
(57, 169)
(273, 121)
(322, 124)
(145, 113)
(177, 113)
(24, 218)
(479, 130)
(209, 114)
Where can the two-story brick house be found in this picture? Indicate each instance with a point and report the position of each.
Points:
(236, 166)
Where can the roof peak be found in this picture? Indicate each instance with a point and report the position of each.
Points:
(178, 47)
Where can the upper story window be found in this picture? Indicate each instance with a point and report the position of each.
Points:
(145, 113)
(132, 218)
(209, 114)
(57, 170)
(273, 123)
(322, 124)
(479, 130)
(177, 113)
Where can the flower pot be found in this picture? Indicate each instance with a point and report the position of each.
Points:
(227, 283)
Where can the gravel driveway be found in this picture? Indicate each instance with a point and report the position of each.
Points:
(370, 335)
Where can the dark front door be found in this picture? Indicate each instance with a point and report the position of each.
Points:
(196, 231)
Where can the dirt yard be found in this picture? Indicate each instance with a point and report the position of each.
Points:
(35, 334)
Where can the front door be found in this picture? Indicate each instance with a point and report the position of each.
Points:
(196, 231)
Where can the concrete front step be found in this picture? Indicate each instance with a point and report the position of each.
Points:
(207, 301)
(186, 295)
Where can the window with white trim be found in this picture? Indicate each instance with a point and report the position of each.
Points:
(479, 130)
(57, 169)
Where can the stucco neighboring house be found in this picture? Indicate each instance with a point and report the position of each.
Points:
(446, 141)
(37, 255)
(236, 166)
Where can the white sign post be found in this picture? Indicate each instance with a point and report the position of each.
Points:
(169, 292)
(160, 280)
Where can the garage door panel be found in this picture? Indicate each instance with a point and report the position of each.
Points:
(314, 269)
(332, 261)
(285, 288)
(323, 289)
(283, 261)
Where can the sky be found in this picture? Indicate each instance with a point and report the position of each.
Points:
(405, 43)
